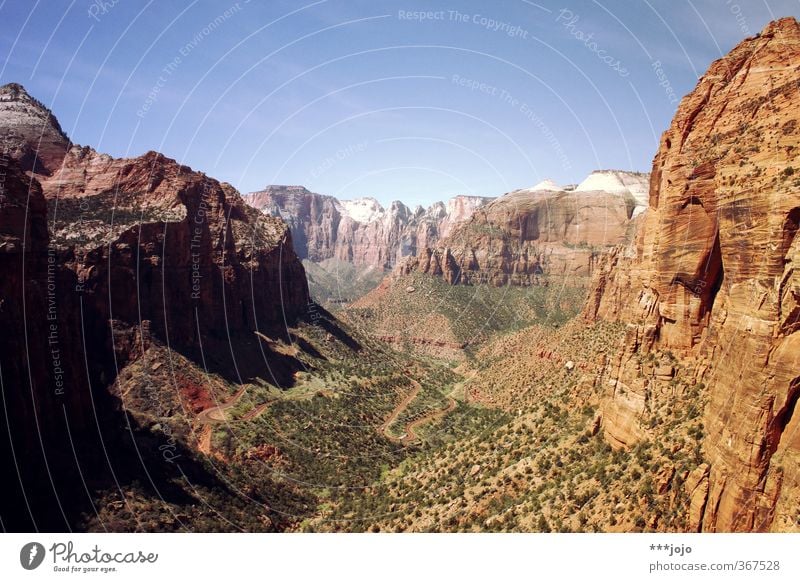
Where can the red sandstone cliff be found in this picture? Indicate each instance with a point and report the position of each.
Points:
(156, 237)
(100, 257)
(712, 278)
(528, 233)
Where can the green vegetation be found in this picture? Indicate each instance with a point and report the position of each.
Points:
(464, 314)
(334, 283)
(102, 217)
(507, 438)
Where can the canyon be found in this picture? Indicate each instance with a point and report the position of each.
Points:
(360, 231)
(512, 238)
(703, 279)
(544, 230)
(617, 355)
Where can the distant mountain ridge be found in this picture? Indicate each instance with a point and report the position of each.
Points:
(360, 231)
(544, 230)
(363, 232)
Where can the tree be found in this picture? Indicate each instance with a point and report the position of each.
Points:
(542, 524)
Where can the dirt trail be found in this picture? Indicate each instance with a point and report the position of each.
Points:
(412, 426)
(422, 341)
(384, 428)
(217, 413)
(257, 411)
(409, 434)
(204, 440)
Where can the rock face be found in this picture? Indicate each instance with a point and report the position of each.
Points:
(24, 363)
(713, 277)
(525, 234)
(176, 237)
(31, 135)
(619, 182)
(361, 231)
(101, 256)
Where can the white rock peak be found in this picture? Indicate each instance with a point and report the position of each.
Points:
(462, 207)
(617, 181)
(547, 184)
(362, 210)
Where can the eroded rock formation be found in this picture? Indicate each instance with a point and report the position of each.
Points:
(31, 134)
(525, 234)
(100, 257)
(361, 231)
(712, 278)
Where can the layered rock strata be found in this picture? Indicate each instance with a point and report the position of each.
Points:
(712, 278)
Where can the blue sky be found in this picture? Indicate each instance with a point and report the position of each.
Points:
(368, 98)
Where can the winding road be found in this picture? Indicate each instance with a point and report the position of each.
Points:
(409, 398)
(409, 435)
(216, 415)
(412, 426)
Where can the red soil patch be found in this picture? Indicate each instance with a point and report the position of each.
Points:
(195, 396)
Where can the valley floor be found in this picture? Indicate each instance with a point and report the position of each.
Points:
(364, 436)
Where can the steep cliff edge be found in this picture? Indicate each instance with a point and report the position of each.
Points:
(155, 237)
(712, 278)
(102, 259)
(31, 135)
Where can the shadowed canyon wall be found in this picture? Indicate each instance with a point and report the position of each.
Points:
(101, 256)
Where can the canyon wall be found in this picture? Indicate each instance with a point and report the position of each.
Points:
(526, 234)
(712, 278)
(500, 231)
(361, 231)
(100, 257)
